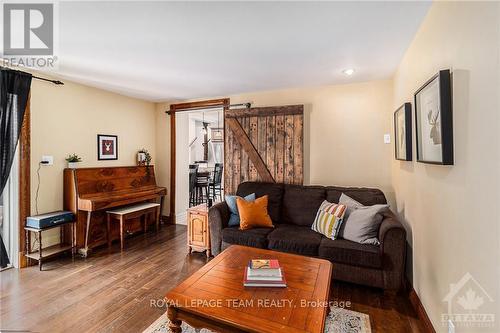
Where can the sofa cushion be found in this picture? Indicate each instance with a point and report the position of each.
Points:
(366, 196)
(294, 239)
(274, 191)
(329, 219)
(234, 218)
(256, 237)
(301, 204)
(350, 253)
(362, 223)
(253, 214)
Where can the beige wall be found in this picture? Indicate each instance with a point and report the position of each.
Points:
(343, 129)
(452, 212)
(66, 119)
(163, 152)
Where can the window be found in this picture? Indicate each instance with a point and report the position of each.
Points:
(9, 214)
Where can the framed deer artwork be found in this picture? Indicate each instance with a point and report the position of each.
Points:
(402, 132)
(434, 120)
(107, 147)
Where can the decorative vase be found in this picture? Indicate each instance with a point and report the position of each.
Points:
(73, 165)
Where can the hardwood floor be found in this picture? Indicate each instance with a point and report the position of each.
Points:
(117, 292)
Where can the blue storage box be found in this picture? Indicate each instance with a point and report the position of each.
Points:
(48, 220)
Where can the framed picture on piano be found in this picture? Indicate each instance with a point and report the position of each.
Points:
(107, 147)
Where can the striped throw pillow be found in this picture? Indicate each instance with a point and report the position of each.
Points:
(329, 219)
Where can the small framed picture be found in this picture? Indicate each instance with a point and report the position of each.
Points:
(217, 134)
(107, 147)
(434, 121)
(402, 132)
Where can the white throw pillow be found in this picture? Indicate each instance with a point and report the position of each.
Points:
(361, 223)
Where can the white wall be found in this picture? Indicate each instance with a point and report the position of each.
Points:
(192, 136)
(452, 212)
(198, 147)
(181, 167)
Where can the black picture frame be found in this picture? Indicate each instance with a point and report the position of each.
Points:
(405, 111)
(101, 156)
(439, 124)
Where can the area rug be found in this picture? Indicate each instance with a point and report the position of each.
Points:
(339, 320)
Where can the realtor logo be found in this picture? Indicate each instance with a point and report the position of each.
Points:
(468, 304)
(28, 29)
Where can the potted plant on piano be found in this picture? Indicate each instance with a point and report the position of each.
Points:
(73, 161)
(143, 157)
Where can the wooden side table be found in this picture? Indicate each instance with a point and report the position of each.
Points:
(53, 250)
(198, 231)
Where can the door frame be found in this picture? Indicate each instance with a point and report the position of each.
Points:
(24, 183)
(183, 107)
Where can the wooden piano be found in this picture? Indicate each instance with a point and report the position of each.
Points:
(89, 192)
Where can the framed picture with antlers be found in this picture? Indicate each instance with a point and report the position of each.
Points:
(107, 147)
(434, 120)
(402, 132)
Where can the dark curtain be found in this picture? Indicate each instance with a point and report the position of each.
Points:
(14, 92)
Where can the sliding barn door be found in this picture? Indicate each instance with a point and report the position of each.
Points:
(263, 144)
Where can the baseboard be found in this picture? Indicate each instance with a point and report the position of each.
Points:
(420, 310)
(166, 219)
(181, 218)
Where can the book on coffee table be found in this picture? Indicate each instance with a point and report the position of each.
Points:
(264, 264)
(264, 273)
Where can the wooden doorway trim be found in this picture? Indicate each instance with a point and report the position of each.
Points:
(24, 182)
(180, 107)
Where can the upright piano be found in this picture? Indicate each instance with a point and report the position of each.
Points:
(89, 192)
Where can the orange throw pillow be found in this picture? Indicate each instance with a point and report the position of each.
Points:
(254, 214)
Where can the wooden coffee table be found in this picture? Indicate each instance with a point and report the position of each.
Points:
(214, 297)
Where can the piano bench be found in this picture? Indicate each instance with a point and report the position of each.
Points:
(130, 212)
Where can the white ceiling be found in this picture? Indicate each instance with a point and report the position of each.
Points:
(163, 51)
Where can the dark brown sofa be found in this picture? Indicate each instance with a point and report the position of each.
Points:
(293, 209)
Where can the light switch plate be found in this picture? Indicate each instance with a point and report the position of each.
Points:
(49, 159)
(387, 138)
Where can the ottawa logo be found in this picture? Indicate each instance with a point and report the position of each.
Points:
(469, 304)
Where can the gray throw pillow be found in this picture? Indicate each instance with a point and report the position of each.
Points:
(362, 223)
(350, 204)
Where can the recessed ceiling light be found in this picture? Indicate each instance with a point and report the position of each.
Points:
(348, 71)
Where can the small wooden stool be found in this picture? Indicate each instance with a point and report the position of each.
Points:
(130, 212)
